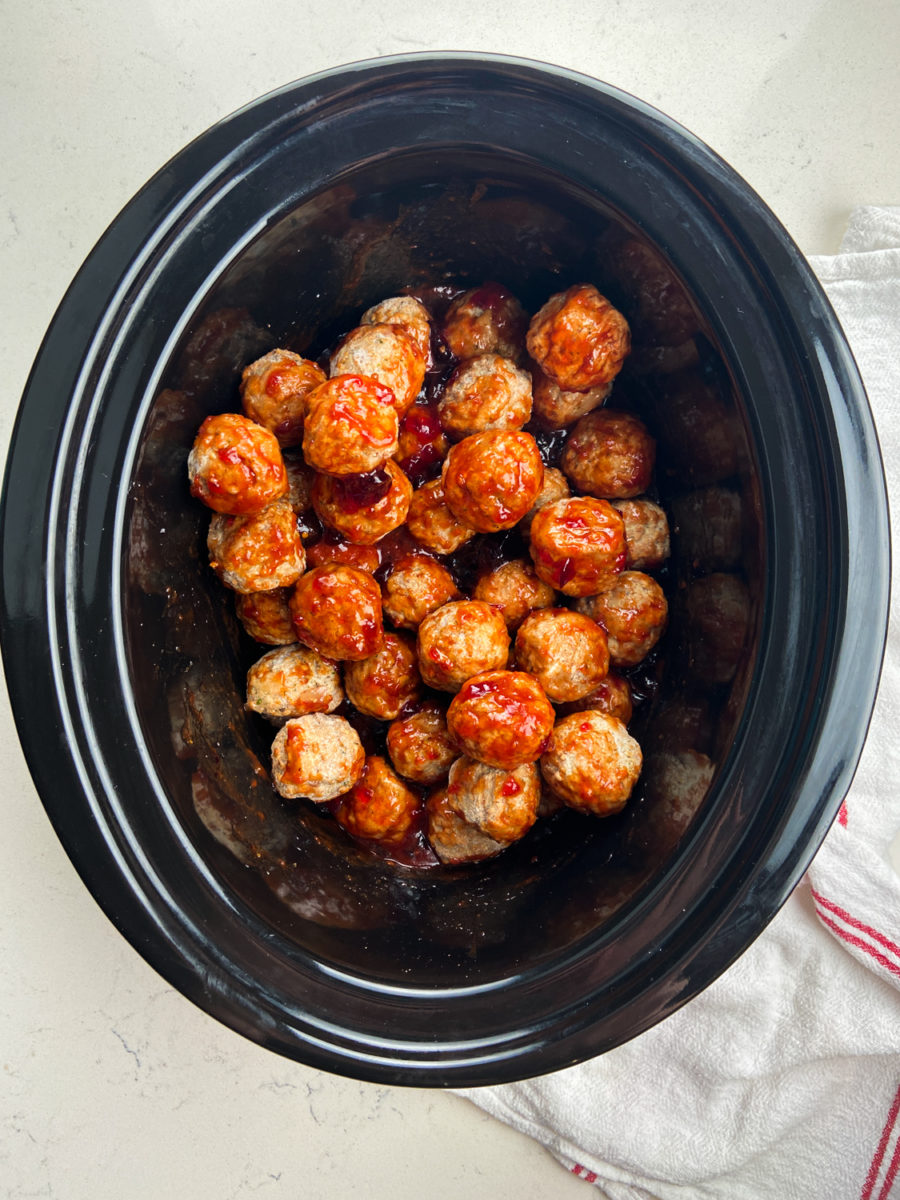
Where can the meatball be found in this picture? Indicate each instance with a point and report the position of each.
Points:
(291, 682)
(337, 611)
(633, 611)
(492, 479)
(409, 314)
(485, 319)
(578, 545)
(556, 408)
(612, 695)
(556, 487)
(351, 427)
(383, 684)
(274, 391)
(501, 718)
(677, 784)
(485, 392)
(453, 839)
(431, 522)
(579, 339)
(266, 616)
(386, 353)
(318, 756)
(420, 745)
(331, 549)
(379, 806)
(515, 590)
(300, 480)
(647, 543)
(416, 587)
(459, 640)
(502, 804)
(259, 551)
(609, 454)
(235, 466)
(565, 650)
(716, 617)
(364, 508)
(592, 762)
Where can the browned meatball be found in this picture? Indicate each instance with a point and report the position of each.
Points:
(609, 454)
(331, 549)
(502, 804)
(647, 543)
(579, 339)
(379, 806)
(420, 745)
(274, 391)
(409, 314)
(416, 587)
(716, 618)
(266, 616)
(259, 551)
(556, 408)
(565, 650)
(677, 784)
(292, 681)
(351, 426)
(386, 353)
(235, 466)
(501, 718)
(556, 487)
(460, 640)
(431, 522)
(492, 479)
(578, 545)
(486, 319)
(454, 839)
(515, 590)
(337, 611)
(383, 684)
(364, 508)
(592, 762)
(633, 611)
(612, 695)
(318, 756)
(485, 392)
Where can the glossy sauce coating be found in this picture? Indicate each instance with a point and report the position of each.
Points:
(336, 610)
(386, 682)
(579, 339)
(502, 718)
(492, 479)
(514, 589)
(274, 391)
(385, 353)
(420, 745)
(459, 640)
(609, 454)
(415, 587)
(266, 616)
(379, 805)
(592, 762)
(363, 508)
(485, 392)
(578, 545)
(258, 551)
(351, 426)
(235, 466)
(485, 319)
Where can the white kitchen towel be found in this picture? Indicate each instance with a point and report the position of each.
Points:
(782, 1079)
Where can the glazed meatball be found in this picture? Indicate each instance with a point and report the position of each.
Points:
(609, 454)
(351, 426)
(274, 391)
(364, 508)
(420, 745)
(501, 718)
(383, 684)
(716, 617)
(556, 408)
(612, 695)
(416, 587)
(459, 640)
(337, 611)
(565, 650)
(331, 549)
(579, 339)
(485, 392)
(453, 839)
(556, 487)
(423, 443)
(266, 616)
(291, 682)
(385, 353)
(492, 479)
(486, 319)
(515, 590)
(592, 762)
(235, 466)
(409, 314)
(633, 611)
(578, 545)
(318, 757)
(647, 543)
(379, 806)
(431, 522)
(502, 804)
(259, 551)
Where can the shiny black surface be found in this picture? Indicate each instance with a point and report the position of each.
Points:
(125, 666)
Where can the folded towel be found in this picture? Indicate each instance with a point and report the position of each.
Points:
(782, 1079)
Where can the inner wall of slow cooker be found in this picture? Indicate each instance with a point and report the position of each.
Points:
(379, 230)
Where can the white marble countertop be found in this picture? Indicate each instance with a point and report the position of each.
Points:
(114, 1085)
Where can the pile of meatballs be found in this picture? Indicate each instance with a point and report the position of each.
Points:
(389, 521)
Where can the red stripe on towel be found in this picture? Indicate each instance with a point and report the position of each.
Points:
(875, 934)
(852, 940)
(892, 1173)
(880, 1149)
